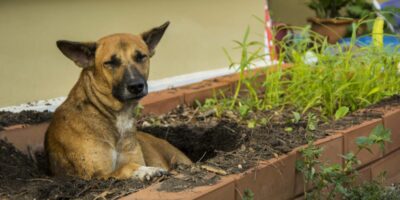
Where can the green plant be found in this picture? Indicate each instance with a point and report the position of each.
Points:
(341, 112)
(352, 77)
(330, 81)
(389, 14)
(359, 9)
(217, 105)
(365, 11)
(138, 110)
(248, 195)
(379, 136)
(312, 122)
(296, 117)
(329, 181)
(327, 8)
(373, 191)
(246, 61)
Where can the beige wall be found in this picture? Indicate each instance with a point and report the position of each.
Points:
(32, 68)
(293, 12)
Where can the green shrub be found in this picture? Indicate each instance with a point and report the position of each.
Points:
(331, 181)
(329, 80)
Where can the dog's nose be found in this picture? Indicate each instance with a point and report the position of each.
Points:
(136, 87)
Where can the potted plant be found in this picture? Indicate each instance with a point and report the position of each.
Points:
(328, 21)
(365, 10)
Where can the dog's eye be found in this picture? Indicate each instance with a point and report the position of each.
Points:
(113, 62)
(139, 57)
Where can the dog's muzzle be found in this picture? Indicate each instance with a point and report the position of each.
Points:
(137, 88)
(133, 86)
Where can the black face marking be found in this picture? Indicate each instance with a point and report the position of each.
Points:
(139, 57)
(133, 86)
(113, 62)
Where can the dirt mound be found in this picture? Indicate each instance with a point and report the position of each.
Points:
(23, 117)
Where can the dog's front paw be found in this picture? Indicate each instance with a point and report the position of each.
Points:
(147, 173)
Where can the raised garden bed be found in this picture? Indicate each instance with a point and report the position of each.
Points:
(231, 157)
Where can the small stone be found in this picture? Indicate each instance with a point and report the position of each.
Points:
(146, 124)
(194, 169)
(240, 166)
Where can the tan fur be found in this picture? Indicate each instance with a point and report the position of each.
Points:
(92, 134)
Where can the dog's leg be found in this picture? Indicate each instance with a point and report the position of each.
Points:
(133, 170)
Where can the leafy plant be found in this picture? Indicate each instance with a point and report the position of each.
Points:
(373, 190)
(329, 181)
(341, 112)
(312, 122)
(251, 124)
(365, 11)
(248, 195)
(389, 14)
(352, 77)
(288, 129)
(327, 8)
(243, 110)
(246, 61)
(330, 81)
(217, 105)
(138, 110)
(296, 117)
(359, 9)
(379, 135)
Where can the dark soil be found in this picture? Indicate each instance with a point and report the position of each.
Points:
(188, 177)
(24, 117)
(226, 142)
(219, 145)
(21, 178)
(387, 104)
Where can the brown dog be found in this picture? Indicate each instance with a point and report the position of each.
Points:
(92, 134)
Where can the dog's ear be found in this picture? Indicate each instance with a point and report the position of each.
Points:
(82, 53)
(153, 36)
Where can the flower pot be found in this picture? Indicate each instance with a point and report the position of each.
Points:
(332, 29)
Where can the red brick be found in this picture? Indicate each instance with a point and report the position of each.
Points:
(300, 197)
(364, 175)
(364, 129)
(389, 165)
(231, 78)
(331, 154)
(391, 121)
(162, 102)
(16, 126)
(205, 89)
(273, 180)
(223, 189)
(31, 136)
